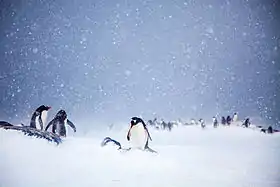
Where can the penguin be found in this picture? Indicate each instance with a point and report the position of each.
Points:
(234, 117)
(202, 124)
(215, 122)
(223, 120)
(39, 117)
(139, 135)
(59, 122)
(228, 120)
(246, 123)
(193, 122)
(169, 125)
(269, 130)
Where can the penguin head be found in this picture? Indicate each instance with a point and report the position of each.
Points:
(61, 114)
(135, 121)
(43, 108)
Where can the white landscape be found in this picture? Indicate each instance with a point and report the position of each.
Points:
(187, 156)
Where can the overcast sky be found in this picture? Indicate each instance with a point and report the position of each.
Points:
(111, 60)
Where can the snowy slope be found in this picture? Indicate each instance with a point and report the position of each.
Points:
(188, 156)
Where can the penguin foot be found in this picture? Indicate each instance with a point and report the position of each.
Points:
(150, 150)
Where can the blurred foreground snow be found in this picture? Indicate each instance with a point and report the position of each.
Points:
(188, 156)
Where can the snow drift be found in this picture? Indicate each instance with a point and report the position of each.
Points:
(188, 156)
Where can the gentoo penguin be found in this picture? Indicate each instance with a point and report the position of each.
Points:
(59, 122)
(223, 120)
(234, 117)
(269, 130)
(229, 120)
(39, 117)
(138, 134)
(215, 122)
(246, 123)
(202, 124)
(193, 122)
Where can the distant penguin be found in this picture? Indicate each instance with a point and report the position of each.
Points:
(223, 121)
(246, 123)
(138, 134)
(269, 130)
(202, 124)
(228, 120)
(215, 122)
(193, 122)
(234, 117)
(169, 125)
(39, 117)
(59, 124)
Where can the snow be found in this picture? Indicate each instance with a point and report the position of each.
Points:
(188, 156)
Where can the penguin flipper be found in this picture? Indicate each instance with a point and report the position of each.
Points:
(128, 135)
(148, 133)
(71, 125)
(145, 127)
(41, 122)
(49, 124)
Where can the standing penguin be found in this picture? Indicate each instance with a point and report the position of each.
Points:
(215, 122)
(138, 134)
(246, 123)
(39, 117)
(202, 124)
(229, 120)
(234, 117)
(59, 122)
(223, 120)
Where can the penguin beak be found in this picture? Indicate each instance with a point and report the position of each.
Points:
(48, 107)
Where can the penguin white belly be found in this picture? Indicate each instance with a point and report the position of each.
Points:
(57, 129)
(66, 126)
(234, 118)
(44, 117)
(138, 136)
(37, 123)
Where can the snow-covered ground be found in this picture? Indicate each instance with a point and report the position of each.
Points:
(188, 156)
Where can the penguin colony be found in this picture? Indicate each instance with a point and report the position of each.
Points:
(138, 134)
(162, 125)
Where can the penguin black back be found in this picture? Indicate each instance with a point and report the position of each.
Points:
(38, 114)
